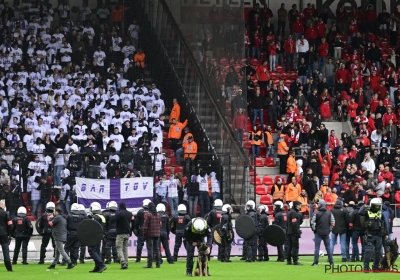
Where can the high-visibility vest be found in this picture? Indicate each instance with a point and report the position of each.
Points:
(254, 142)
(279, 194)
(282, 148)
(269, 139)
(304, 203)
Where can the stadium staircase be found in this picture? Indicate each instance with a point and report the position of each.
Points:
(174, 67)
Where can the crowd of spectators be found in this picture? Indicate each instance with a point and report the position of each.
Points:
(345, 70)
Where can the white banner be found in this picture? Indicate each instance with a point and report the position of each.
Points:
(96, 189)
(136, 187)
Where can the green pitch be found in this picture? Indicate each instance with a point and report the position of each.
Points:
(227, 271)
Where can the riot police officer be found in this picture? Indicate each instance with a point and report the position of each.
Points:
(111, 233)
(226, 231)
(375, 229)
(5, 230)
(178, 224)
(165, 229)
(195, 232)
(22, 231)
(138, 228)
(250, 244)
(73, 221)
(280, 219)
(94, 251)
(262, 224)
(45, 230)
(213, 218)
(82, 251)
(294, 220)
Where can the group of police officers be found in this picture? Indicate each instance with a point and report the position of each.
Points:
(187, 230)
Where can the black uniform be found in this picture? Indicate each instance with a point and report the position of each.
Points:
(138, 230)
(178, 225)
(82, 251)
(193, 237)
(294, 220)
(226, 228)
(5, 230)
(262, 243)
(250, 244)
(73, 244)
(45, 230)
(280, 219)
(164, 236)
(110, 237)
(94, 251)
(22, 231)
(213, 218)
(375, 228)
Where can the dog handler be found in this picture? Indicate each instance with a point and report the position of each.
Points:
(195, 232)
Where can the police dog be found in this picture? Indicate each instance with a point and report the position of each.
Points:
(202, 261)
(391, 254)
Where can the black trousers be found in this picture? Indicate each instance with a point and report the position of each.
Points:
(72, 247)
(293, 248)
(189, 257)
(18, 242)
(82, 252)
(164, 242)
(5, 247)
(225, 249)
(250, 248)
(140, 244)
(262, 249)
(282, 163)
(152, 244)
(178, 243)
(45, 242)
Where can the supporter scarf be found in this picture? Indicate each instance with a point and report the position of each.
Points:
(302, 42)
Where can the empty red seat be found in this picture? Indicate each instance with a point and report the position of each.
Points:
(223, 61)
(293, 76)
(178, 169)
(273, 76)
(237, 68)
(279, 69)
(266, 200)
(254, 62)
(267, 180)
(259, 162)
(169, 153)
(260, 190)
(255, 180)
(269, 162)
(168, 170)
(283, 76)
(172, 161)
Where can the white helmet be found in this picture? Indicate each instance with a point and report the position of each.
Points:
(50, 206)
(95, 207)
(218, 203)
(199, 225)
(182, 208)
(112, 205)
(161, 207)
(227, 208)
(291, 205)
(82, 209)
(146, 203)
(21, 211)
(262, 208)
(375, 205)
(278, 204)
(251, 204)
(108, 206)
(75, 208)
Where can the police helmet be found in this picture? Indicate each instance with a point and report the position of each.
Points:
(112, 205)
(50, 206)
(182, 209)
(278, 204)
(21, 212)
(146, 203)
(250, 204)
(218, 203)
(108, 206)
(227, 208)
(291, 204)
(161, 207)
(82, 209)
(95, 207)
(75, 208)
(199, 225)
(375, 205)
(262, 208)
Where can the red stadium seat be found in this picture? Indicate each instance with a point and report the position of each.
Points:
(267, 180)
(178, 169)
(168, 170)
(257, 180)
(237, 68)
(283, 76)
(232, 61)
(273, 76)
(169, 153)
(251, 173)
(263, 152)
(384, 56)
(279, 177)
(293, 76)
(226, 68)
(266, 200)
(383, 44)
(260, 190)
(269, 162)
(254, 62)
(223, 61)
(28, 210)
(288, 83)
(279, 69)
(172, 161)
(259, 162)
(276, 82)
